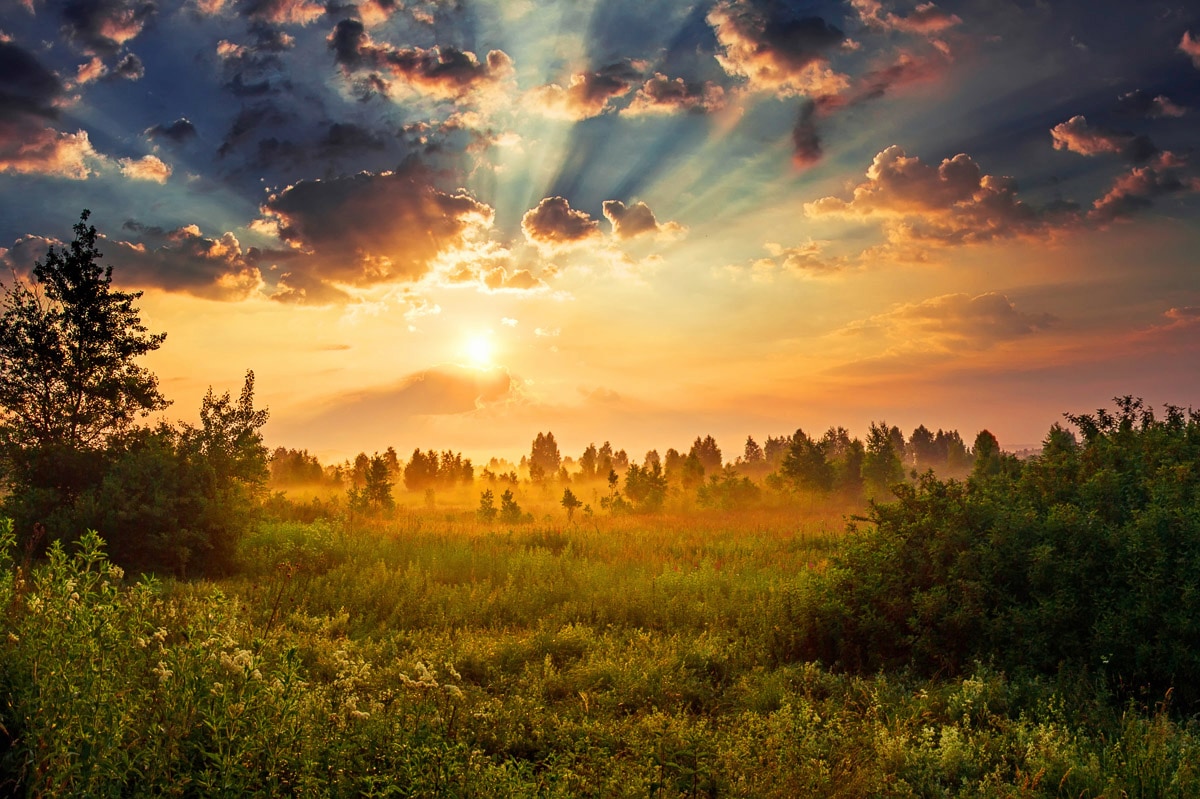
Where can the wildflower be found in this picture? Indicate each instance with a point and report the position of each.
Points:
(13, 638)
(116, 572)
(217, 689)
(160, 635)
(454, 691)
(163, 672)
(256, 675)
(360, 715)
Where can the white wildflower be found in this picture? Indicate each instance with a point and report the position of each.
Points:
(163, 672)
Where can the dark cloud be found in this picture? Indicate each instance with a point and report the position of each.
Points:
(634, 220)
(184, 260)
(441, 72)
(588, 94)
(777, 47)
(25, 252)
(27, 148)
(347, 139)
(26, 87)
(180, 131)
(662, 95)
(252, 70)
(372, 228)
(1136, 190)
(1144, 104)
(105, 26)
(806, 142)
(129, 67)
(952, 203)
(555, 223)
(1078, 136)
(247, 122)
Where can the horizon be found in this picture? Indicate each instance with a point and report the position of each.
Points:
(454, 226)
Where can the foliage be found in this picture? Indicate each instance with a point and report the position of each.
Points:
(1083, 559)
(487, 506)
(429, 470)
(628, 661)
(544, 459)
(805, 465)
(68, 346)
(571, 503)
(646, 487)
(728, 491)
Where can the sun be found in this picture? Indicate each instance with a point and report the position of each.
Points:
(479, 349)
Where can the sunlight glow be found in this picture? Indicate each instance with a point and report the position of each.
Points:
(480, 349)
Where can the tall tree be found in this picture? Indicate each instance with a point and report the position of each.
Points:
(544, 459)
(69, 380)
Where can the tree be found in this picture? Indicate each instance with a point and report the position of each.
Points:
(544, 459)
(487, 506)
(570, 502)
(881, 467)
(69, 380)
(805, 464)
(708, 452)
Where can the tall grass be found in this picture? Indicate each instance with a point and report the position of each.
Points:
(433, 655)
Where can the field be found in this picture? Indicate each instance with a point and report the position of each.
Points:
(433, 654)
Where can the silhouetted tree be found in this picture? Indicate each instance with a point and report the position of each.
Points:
(544, 460)
(709, 454)
(570, 502)
(69, 380)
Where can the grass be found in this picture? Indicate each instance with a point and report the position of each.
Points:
(435, 655)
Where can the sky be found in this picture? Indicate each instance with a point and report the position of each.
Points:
(456, 224)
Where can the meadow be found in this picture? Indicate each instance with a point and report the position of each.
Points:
(435, 654)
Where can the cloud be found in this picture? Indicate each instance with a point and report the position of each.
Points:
(25, 251)
(178, 132)
(1136, 190)
(926, 18)
(26, 87)
(103, 27)
(805, 260)
(91, 70)
(129, 67)
(953, 203)
(184, 260)
(806, 142)
(662, 95)
(635, 220)
(282, 12)
(440, 72)
(1080, 137)
(438, 391)
(28, 149)
(554, 223)
(149, 167)
(1190, 46)
(1187, 314)
(777, 49)
(1143, 104)
(951, 323)
(588, 94)
(371, 228)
